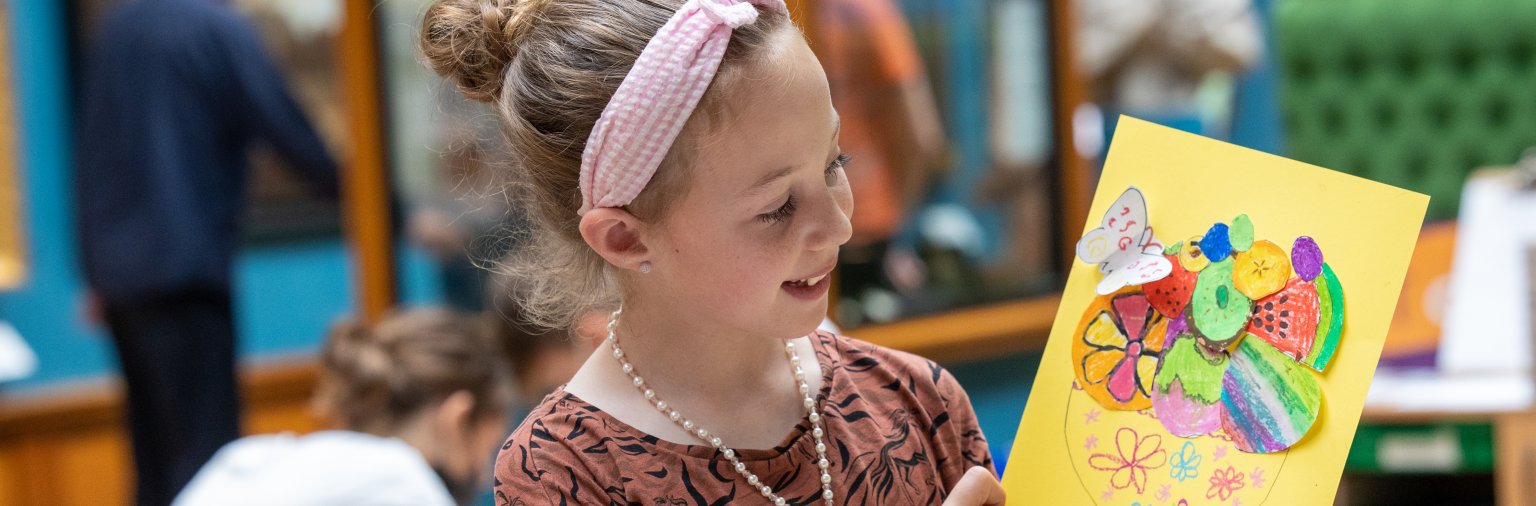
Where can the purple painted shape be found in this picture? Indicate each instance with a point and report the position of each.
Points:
(1176, 327)
(1307, 258)
(1185, 416)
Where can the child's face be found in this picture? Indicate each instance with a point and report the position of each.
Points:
(767, 204)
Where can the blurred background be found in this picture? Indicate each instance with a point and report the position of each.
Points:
(978, 126)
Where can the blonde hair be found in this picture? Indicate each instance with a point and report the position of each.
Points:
(375, 378)
(550, 67)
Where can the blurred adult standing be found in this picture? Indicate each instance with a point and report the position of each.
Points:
(172, 93)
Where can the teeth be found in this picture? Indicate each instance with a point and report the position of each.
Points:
(815, 280)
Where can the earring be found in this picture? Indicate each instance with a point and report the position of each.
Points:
(645, 267)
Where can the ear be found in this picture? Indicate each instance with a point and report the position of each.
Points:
(615, 235)
(453, 415)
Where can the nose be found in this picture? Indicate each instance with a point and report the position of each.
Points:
(832, 226)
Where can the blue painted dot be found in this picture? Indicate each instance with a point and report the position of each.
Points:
(1216, 244)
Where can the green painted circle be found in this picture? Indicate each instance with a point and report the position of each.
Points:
(1216, 308)
(1241, 233)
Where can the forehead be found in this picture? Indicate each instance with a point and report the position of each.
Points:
(774, 112)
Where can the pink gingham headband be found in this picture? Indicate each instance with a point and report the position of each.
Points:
(653, 103)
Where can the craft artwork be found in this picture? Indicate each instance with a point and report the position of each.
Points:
(1224, 350)
(1221, 366)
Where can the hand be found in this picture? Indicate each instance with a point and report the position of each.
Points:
(977, 488)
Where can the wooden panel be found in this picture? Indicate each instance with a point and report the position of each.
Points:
(366, 179)
(970, 334)
(1514, 435)
(67, 446)
(14, 473)
(89, 468)
(12, 246)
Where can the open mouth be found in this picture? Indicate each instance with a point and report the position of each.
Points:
(811, 281)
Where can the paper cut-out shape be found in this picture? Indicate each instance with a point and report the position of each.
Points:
(1330, 319)
(1288, 319)
(1217, 309)
(1367, 230)
(1123, 246)
(1241, 233)
(1191, 257)
(1262, 270)
(1119, 341)
(1306, 258)
(1216, 244)
(1218, 350)
(1186, 392)
(1171, 294)
(1269, 401)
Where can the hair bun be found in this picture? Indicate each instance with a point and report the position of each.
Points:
(473, 41)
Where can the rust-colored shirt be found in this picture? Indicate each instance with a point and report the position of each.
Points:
(899, 430)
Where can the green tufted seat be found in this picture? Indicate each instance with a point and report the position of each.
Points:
(1413, 93)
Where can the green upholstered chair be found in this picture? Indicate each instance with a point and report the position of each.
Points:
(1413, 93)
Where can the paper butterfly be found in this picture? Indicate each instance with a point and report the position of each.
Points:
(1124, 247)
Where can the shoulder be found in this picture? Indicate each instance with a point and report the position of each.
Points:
(562, 449)
(870, 364)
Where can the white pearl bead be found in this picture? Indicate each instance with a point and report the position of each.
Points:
(790, 346)
(661, 405)
(688, 424)
(826, 478)
(650, 395)
(729, 454)
(815, 418)
(779, 501)
(817, 431)
(703, 434)
(674, 415)
(823, 463)
(715, 442)
(805, 389)
(767, 491)
(618, 353)
(821, 448)
(639, 382)
(741, 468)
(827, 495)
(628, 368)
(752, 478)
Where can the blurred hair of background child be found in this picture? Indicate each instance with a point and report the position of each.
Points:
(421, 400)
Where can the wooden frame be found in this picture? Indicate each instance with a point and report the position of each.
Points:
(365, 188)
(13, 247)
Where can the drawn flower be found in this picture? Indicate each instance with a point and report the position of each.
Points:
(1116, 350)
(1186, 463)
(1164, 493)
(1092, 442)
(1224, 482)
(1136, 455)
(1257, 476)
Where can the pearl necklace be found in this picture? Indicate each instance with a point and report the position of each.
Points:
(805, 390)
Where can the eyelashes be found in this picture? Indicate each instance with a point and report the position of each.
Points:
(788, 208)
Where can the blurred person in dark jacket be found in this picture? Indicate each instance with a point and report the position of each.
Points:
(172, 93)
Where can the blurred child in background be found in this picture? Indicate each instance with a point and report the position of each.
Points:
(421, 399)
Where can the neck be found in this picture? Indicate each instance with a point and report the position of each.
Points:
(708, 373)
(710, 363)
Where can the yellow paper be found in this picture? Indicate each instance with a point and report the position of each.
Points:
(1366, 231)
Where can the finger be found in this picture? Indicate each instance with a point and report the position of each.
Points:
(977, 487)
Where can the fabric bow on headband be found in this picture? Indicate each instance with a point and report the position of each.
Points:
(656, 98)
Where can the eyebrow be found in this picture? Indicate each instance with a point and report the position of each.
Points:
(776, 175)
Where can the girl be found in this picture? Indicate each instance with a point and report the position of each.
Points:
(682, 168)
(422, 399)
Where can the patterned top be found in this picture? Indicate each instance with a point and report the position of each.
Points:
(899, 430)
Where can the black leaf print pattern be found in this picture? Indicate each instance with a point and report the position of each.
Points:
(901, 432)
